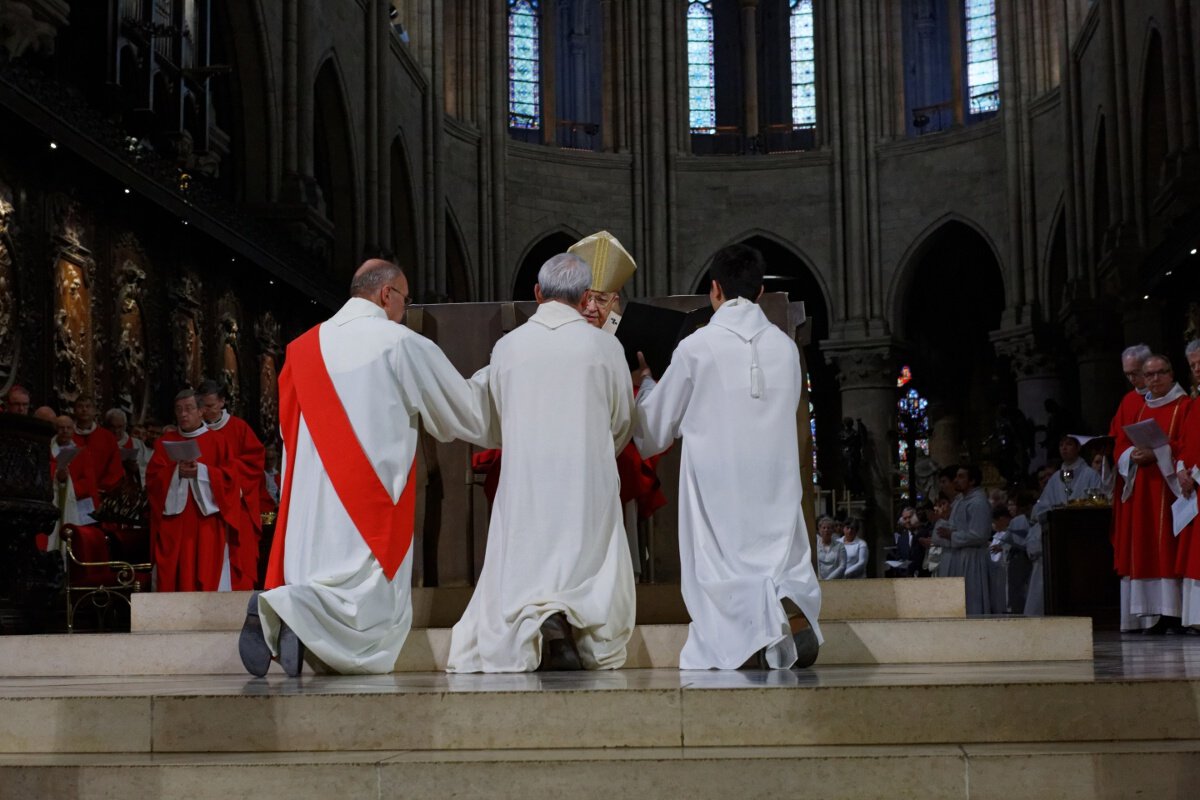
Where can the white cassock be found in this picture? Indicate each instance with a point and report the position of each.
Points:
(1083, 480)
(556, 542)
(732, 392)
(337, 598)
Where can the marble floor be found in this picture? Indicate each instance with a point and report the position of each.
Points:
(1118, 658)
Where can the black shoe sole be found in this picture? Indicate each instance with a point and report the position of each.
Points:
(291, 651)
(252, 644)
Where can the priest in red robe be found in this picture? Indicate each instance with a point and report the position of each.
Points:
(100, 446)
(247, 455)
(192, 502)
(74, 480)
(1144, 545)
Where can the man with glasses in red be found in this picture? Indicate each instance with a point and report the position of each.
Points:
(1144, 544)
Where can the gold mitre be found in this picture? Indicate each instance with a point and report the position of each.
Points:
(612, 266)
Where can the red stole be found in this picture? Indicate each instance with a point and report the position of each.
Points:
(305, 387)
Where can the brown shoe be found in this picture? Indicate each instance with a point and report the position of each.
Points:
(559, 652)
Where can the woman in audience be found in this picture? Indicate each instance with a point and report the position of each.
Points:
(831, 556)
(856, 549)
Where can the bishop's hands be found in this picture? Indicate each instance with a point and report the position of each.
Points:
(188, 469)
(642, 372)
(1186, 483)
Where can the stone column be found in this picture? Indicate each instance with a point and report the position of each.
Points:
(750, 66)
(1037, 376)
(867, 378)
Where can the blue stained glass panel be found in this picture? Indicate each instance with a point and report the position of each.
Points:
(702, 94)
(804, 64)
(983, 61)
(524, 64)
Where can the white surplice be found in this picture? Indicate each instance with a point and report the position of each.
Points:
(556, 542)
(337, 598)
(732, 392)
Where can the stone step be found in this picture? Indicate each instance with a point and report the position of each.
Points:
(1013, 705)
(1071, 771)
(967, 640)
(657, 604)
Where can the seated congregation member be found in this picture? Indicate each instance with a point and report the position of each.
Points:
(732, 392)
(247, 453)
(970, 535)
(831, 555)
(135, 455)
(1145, 550)
(556, 590)
(192, 502)
(907, 547)
(352, 394)
(100, 446)
(858, 555)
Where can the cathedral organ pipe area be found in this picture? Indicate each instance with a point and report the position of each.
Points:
(979, 203)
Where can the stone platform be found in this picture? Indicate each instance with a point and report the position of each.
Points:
(908, 699)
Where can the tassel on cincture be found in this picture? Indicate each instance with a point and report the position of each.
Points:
(755, 372)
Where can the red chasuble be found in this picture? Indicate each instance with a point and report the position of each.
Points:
(1131, 405)
(188, 549)
(247, 457)
(1144, 546)
(1187, 564)
(100, 446)
(306, 388)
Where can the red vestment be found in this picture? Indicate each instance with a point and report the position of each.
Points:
(188, 549)
(1144, 545)
(248, 456)
(83, 475)
(100, 446)
(1188, 561)
(1131, 405)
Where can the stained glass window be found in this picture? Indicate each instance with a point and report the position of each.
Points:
(804, 65)
(912, 423)
(524, 64)
(702, 75)
(983, 61)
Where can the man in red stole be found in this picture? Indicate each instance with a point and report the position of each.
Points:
(74, 482)
(247, 455)
(100, 446)
(351, 395)
(1144, 545)
(192, 501)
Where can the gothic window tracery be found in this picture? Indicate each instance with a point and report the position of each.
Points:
(983, 60)
(912, 425)
(524, 64)
(804, 64)
(702, 81)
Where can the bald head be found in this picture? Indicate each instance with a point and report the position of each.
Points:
(372, 276)
(64, 428)
(45, 414)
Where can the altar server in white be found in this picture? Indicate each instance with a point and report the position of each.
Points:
(351, 394)
(556, 590)
(732, 392)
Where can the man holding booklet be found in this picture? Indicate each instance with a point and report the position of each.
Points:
(191, 483)
(1144, 544)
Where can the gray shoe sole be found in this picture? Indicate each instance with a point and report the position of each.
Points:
(252, 645)
(291, 651)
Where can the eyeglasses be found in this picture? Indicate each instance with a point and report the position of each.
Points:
(1154, 373)
(1137, 373)
(601, 299)
(404, 297)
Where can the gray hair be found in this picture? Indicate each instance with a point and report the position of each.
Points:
(1192, 347)
(116, 413)
(1139, 351)
(1162, 358)
(823, 520)
(565, 277)
(372, 276)
(184, 394)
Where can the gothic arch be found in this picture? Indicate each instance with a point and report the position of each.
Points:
(902, 278)
(700, 271)
(458, 262)
(333, 163)
(1100, 207)
(255, 107)
(1054, 276)
(552, 242)
(1154, 136)
(406, 221)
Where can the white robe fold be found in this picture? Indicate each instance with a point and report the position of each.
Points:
(556, 542)
(732, 392)
(337, 598)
